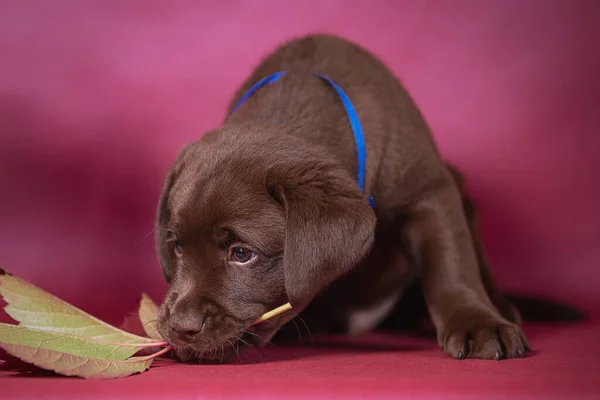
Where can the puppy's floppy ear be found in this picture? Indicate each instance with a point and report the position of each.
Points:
(329, 227)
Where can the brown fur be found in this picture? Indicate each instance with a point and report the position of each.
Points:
(278, 178)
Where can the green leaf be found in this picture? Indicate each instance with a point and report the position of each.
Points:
(38, 309)
(60, 342)
(72, 365)
(54, 335)
(148, 314)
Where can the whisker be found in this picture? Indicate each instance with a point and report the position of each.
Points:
(243, 341)
(222, 354)
(235, 349)
(268, 342)
(307, 328)
(298, 329)
(254, 334)
(145, 237)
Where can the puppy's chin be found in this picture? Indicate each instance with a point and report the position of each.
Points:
(228, 350)
(231, 348)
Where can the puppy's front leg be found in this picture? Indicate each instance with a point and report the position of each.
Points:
(467, 323)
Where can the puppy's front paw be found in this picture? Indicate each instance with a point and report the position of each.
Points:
(473, 334)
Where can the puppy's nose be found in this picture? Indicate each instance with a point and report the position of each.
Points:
(186, 329)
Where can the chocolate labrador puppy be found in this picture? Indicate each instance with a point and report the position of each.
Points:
(267, 209)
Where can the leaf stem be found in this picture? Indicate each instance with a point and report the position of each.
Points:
(158, 353)
(272, 313)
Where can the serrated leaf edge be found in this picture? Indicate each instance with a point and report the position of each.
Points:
(59, 300)
(132, 360)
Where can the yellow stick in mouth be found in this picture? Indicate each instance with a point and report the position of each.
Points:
(273, 313)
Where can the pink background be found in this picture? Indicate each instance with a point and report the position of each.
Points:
(95, 101)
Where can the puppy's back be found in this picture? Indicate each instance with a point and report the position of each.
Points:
(398, 140)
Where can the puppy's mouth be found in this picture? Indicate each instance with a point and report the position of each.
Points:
(224, 351)
(225, 342)
(215, 354)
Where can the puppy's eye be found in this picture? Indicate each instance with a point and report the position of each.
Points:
(177, 247)
(242, 255)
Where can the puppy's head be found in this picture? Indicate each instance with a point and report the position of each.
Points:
(246, 223)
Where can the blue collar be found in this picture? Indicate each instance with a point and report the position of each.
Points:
(352, 116)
